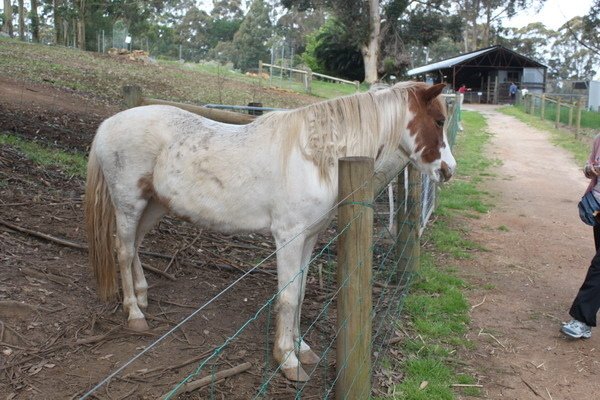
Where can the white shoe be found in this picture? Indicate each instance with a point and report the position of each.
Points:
(576, 330)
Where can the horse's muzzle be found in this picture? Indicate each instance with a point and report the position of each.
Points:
(445, 172)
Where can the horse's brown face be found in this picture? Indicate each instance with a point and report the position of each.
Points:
(430, 150)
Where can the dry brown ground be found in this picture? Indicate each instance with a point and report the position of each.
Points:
(535, 267)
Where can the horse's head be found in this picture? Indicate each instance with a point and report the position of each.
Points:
(427, 142)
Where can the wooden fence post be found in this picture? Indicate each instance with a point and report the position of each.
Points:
(532, 106)
(309, 81)
(409, 223)
(578, 119)
(571, 114)
(543, 109)
(132, 95)
(557, 122)
(355, 256)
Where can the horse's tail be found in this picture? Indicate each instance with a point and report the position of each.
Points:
(100, 224)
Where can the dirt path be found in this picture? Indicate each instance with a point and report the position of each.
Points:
(532, 271)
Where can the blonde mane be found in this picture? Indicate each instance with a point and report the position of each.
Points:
(363, 124)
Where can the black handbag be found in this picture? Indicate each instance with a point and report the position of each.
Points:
(589, 207)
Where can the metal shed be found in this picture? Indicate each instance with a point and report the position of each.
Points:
(487, 73)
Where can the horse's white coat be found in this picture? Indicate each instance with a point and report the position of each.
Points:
(277, 174)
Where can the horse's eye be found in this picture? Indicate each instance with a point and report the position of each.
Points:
(440, 123)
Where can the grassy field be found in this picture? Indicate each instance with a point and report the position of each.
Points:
(578, 146)
(103, 76)
(589, 119)
(436, 309)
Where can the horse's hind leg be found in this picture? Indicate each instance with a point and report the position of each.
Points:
(126, 233)
(152, 213)
(305, 354)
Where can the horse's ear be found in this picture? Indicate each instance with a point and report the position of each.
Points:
(433, 91)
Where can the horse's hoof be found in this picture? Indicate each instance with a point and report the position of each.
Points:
(296, 374)
(138, 324)
(309, 357)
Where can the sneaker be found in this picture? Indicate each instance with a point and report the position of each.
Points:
(576, 329)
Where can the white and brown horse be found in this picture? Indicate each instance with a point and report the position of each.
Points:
(277, 174)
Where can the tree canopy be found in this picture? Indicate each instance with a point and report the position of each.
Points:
(354, 39)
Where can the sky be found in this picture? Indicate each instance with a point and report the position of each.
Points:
(554, 13)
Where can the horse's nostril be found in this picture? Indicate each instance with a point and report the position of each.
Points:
(445, 171)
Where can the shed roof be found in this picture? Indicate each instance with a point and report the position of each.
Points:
(494, 56)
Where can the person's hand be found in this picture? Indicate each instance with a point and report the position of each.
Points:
(590, 171)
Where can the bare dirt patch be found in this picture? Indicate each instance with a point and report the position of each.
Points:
(531, 272)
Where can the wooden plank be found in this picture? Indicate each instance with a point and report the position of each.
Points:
(557, 120)
(578, 118)
(354, 271)
(543, 109)
(227, 117)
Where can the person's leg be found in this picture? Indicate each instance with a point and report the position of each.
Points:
(587, 302)
(597, 237)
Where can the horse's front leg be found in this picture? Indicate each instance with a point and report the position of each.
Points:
(289, 259)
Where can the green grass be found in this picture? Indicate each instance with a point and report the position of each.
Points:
(568, 141)
(437, 309)
(319, 88)
(70, 163)
(589, 119)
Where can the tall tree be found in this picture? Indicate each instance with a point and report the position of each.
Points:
(35, 21)
(57, 17)
(590, 36)
(531, 40)
(21, 20)
(362, 20)
(570, 58)
(491, 12)
(7, 26)
(250, 40)
(227, 9)
(81, 10)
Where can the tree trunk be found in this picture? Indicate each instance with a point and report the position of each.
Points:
(58, 22)
(486, 28)
(370, 50)
(7, 27)
(35, 22)
(81, 25)
(475, 11)
(21, 20)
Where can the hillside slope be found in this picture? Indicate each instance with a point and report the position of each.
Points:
(101, 77)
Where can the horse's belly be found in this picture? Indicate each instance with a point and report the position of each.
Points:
(227, 214)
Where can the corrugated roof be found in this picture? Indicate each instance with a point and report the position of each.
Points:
(451, 62)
